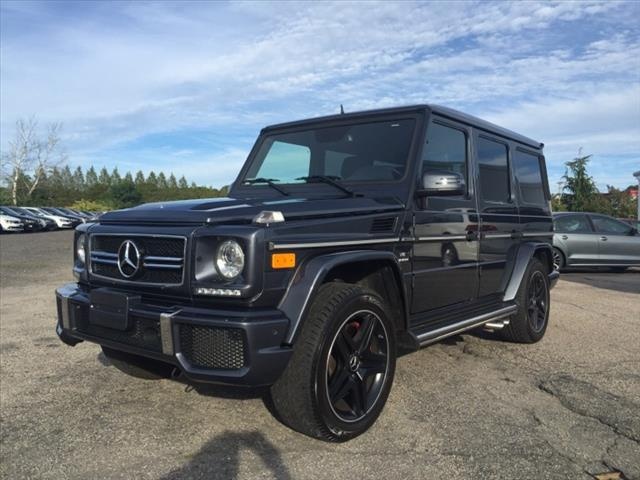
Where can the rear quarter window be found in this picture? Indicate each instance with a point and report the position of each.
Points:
(528, 170)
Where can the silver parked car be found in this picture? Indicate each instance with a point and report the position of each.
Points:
(594, 240)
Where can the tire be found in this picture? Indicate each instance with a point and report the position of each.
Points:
(530, 322)
(135, 366)
(559, 261)
(449, 256)
(347, 335)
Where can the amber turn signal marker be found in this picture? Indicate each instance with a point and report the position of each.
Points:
(283, 260)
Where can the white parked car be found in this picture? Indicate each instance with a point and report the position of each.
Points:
(61, 222)
(10, 224)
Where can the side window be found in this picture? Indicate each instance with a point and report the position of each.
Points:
(446, 150)
(284, 162)
(572, 224)
(529, 178)
(493, 170)
(610, 226)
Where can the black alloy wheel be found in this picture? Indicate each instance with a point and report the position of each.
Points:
(341, 371)
(357, 365)
(537, 301)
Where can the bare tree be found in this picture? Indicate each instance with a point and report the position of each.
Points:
(30, 157)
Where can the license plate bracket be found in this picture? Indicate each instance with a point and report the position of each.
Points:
(110, 308)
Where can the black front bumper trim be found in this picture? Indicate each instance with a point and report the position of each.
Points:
(265, 356)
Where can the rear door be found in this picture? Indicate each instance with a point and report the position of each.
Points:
(574, 235)
(617, 243)
(499, 219)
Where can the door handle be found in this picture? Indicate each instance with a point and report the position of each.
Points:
(564, 237)
(603, 238)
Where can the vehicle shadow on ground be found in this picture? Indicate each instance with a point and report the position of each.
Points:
(220, 458)
(628, 281)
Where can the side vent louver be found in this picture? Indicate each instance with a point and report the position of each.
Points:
(383, 225)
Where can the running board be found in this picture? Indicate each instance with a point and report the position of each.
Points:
(491, 318)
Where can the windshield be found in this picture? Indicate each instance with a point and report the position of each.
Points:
(365, 152)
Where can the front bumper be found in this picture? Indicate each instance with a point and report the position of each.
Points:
(217, 346)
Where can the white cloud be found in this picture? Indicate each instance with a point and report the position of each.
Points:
(117, 75)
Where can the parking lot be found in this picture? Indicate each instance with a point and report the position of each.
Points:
(469, 407)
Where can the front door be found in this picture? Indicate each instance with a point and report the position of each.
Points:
(574, 235)
(445, 251)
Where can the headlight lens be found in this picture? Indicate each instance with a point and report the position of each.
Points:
(230, 259)
(80, 253)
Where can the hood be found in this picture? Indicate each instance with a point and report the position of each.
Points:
(232, 210)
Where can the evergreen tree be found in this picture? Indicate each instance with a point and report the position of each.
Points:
(78, 180)
(152, 180)
(115, 177)
(67, 178)
(182, 183)
(128, 178)
(104, 178)
(139, 178)
(582, 194)
(173, 184)
(91, 178)
(162, 181)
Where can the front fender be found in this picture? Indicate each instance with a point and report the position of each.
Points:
(311, 274)
(526, 251)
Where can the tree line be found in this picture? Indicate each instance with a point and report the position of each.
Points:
(34, 172)
(580, 194)
(103, 189)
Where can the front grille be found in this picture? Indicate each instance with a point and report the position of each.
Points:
(144, 333)
(212, 347)
(162, 258)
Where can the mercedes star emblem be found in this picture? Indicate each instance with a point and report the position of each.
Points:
(128, 259)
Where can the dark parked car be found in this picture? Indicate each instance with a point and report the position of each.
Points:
(344, 238)
(594, 240)
(29, 222)
(47, 223)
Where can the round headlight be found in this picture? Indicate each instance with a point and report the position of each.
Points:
(230, 259)
(80, 253)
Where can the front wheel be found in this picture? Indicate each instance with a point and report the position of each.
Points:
(342, 368)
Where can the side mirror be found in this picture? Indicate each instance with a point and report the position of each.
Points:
(439, 183)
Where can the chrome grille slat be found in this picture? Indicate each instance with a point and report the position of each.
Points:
(162, 266)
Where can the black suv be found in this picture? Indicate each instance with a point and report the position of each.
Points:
(343, 239)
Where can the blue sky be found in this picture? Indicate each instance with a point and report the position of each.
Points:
(186, 87)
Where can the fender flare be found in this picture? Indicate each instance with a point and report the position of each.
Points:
(526, 251)
(311, 274)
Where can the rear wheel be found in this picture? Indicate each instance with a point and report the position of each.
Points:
(530, 322)
(342, 367)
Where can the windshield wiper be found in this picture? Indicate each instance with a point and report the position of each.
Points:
(268, 181)
(329, 180)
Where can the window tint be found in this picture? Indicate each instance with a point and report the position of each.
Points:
(494, 170)
(446, 150)
(285, 162)
(376, 151)
(610, 226)
(572, 224)
(529, 178)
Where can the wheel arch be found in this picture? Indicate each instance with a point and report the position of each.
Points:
(376, 270)
(527, 251)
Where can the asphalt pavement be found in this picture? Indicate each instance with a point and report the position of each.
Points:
(467, 408)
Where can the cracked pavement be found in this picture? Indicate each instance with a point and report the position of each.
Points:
(469, 407)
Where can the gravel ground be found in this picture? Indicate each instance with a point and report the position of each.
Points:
(470, 407)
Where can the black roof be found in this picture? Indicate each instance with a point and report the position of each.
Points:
(437, 109)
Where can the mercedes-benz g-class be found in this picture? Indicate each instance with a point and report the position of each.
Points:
(343, 238)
